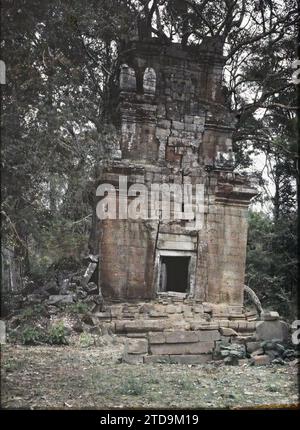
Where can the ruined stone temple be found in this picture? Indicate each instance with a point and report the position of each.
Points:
(175, 128)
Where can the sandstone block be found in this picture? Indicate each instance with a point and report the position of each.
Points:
(243, 325)
(177, 125)
(137, 326)
(208, 335)
(157, 338)
(268, 330)
(226, 331)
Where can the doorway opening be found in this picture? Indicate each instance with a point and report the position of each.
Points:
(174, 274)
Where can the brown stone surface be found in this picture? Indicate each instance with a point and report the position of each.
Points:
(226, 331)
(142, 326)
(136, 346)
(181, 336)
(260, 360)
(268, 330)
(208, 335)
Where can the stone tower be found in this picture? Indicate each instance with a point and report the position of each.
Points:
(175, 129)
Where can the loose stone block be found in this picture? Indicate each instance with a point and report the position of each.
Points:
(171, 309)
(182, 348)
(270, 316)
(268, 330)
(136, 346)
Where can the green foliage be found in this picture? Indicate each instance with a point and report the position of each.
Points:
(86, 340)
(78, 308)
(57, 335)
(32, 312)
(32, 336)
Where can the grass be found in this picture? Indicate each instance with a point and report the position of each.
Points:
(92, 378)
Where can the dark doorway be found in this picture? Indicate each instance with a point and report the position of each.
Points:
(174, 274)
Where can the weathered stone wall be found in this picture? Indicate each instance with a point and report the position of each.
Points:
(169, 97)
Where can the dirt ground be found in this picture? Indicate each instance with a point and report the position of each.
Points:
(74, 377)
